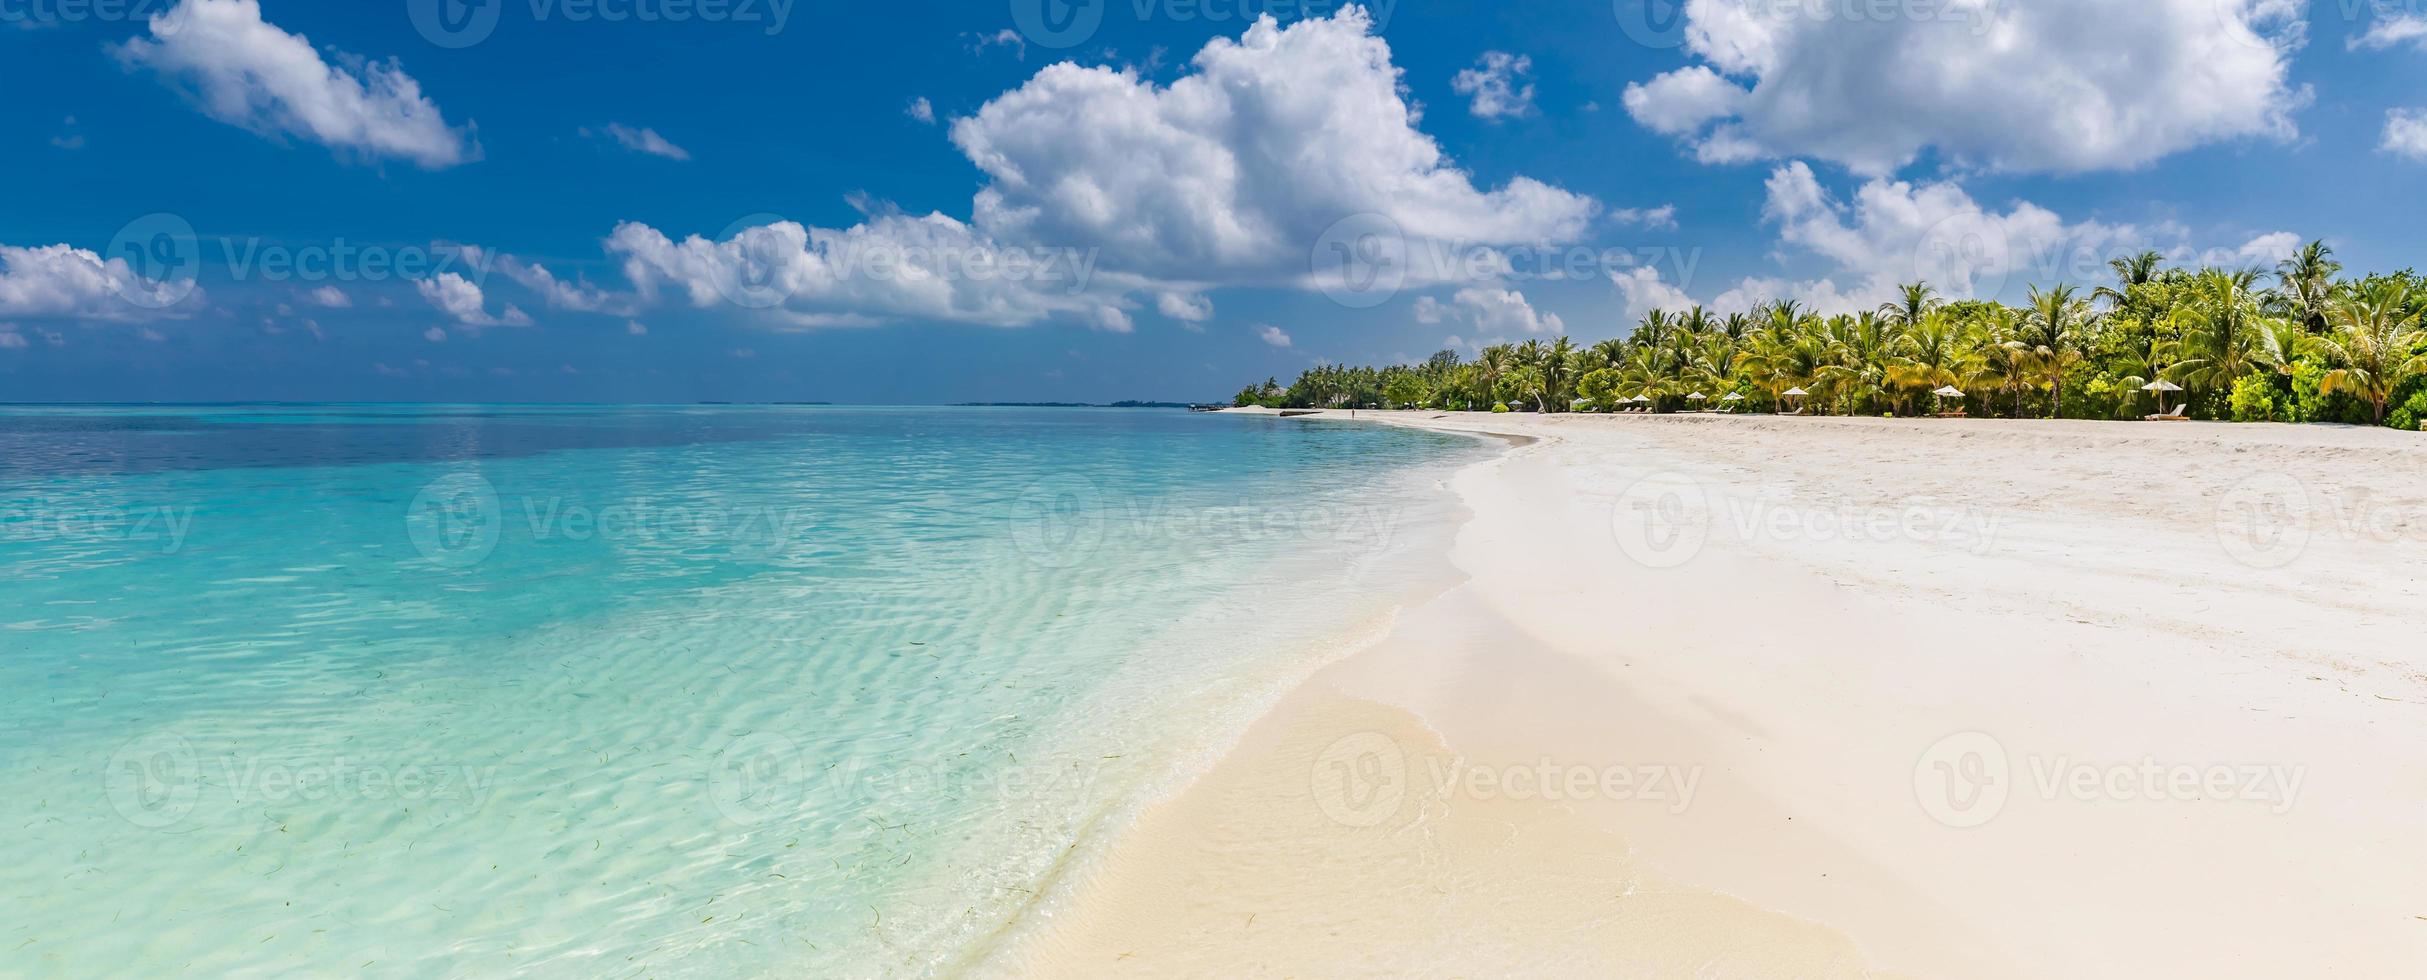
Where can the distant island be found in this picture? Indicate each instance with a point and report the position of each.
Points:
(1073, 405)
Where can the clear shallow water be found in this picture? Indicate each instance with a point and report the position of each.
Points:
(443, 690)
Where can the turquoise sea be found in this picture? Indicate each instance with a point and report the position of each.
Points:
(428, 691)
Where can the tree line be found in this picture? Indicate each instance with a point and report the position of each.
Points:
(2299, 343)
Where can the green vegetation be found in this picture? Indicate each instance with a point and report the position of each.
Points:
(2298, 344)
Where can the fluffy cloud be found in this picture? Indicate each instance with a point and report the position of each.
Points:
(1895, 232)
(1273, 335)
(1497, 85)
(1238, 168)
(2392, 30)
(244, 71)
(2406, 133)
(579, 296)
(1662, 218)
(921, 110)
(1644, 291)
(2026, 85)
(56, 280)
(1184, 307)
(643, 140)
(1489, 311)
(892, 265)
(1229, 176)
(463, 299)
(330, 297)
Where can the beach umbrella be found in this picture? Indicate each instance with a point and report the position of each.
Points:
(1796, 393)
(1697, 396)
(2161, 386)
(1949, 391)
(1733, 397)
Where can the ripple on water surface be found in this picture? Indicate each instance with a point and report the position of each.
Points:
(636, 691)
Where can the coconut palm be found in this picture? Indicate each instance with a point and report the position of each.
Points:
(1914, 300)
(2053, 325)
(2132, 273)
(1934, 354)
(2226, 333)
(2373, 343)
(2306, 286)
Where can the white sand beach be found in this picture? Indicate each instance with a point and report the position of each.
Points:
(1803, 697)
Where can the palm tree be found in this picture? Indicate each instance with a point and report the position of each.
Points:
(2052, 330)
(2306, 295)
(1933, 355)
(1558, 364)
(1914, 300)
(2373, 343)
(1494, 364)
(2132, 273)
(2226, 335)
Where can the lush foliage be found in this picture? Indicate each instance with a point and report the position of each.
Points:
(2295, 344)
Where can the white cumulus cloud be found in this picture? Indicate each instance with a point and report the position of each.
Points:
(2393, 30)
(1497, 85)
(2406, 133)
(1273, 335)
(643, 140)
(1238, 167)
(1489, 310)
(1893, 232)
(463, 300)
(57, 280)
(245, 71)
(2022, 85)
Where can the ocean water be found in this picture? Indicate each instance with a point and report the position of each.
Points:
(687, 691)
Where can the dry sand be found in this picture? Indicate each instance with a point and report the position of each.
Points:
(1799, 698)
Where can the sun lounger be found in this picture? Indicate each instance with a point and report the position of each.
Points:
(2176, 415)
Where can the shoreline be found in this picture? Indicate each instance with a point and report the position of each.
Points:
(1810, 847)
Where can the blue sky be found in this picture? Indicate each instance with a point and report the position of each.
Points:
(769, 201)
